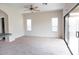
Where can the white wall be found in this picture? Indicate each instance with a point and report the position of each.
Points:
(41, 24)
(15, 21)
(5, 16)
(68, 7)
(0, 26)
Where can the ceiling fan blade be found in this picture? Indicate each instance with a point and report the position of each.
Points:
(26, 9)
(31, 6)
(36, 10)
(36, 7)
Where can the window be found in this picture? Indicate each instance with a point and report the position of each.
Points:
(55, 24)
(29, 25)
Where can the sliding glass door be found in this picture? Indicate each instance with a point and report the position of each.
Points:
(72, 30)
(73, 33)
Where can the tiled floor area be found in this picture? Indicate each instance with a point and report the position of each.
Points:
(34, 46)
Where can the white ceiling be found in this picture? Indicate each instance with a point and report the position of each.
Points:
(48, 7)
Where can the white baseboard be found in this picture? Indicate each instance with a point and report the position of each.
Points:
(43, 36)
(12, 38)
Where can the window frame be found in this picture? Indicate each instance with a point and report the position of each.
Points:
(29, 26)
(54, 26)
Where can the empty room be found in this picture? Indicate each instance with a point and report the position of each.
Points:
(39, 28)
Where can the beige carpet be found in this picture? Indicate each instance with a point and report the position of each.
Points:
(34, 46)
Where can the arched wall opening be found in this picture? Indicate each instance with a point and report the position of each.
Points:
(3, 23)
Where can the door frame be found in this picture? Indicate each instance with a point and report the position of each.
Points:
(64, 27)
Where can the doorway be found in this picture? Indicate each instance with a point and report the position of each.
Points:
(2, 28)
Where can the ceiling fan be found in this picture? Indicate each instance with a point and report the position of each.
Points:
(31, 8)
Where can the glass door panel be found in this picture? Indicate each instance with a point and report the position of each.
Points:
(67, 28)
(73, 28)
